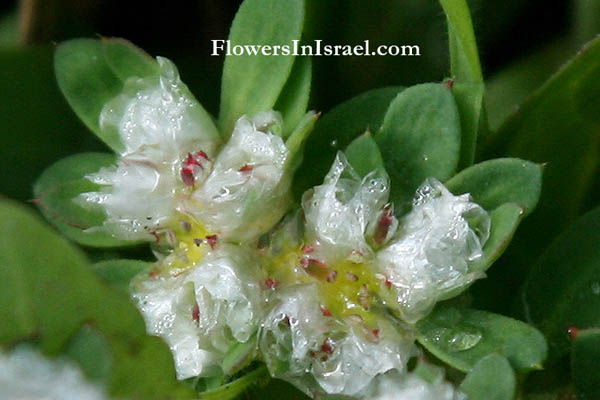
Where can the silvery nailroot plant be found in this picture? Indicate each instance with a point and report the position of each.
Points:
(311, 251)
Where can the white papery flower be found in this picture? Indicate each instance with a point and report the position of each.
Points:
(171, 163)
(247, 191)
(409, 386)
(425, 255)
(202, 311)
(317, 352)
(159, 123)
(431, 253)
(26, 375)
(338, 211)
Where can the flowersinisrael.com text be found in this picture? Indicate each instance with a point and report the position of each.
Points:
(317, 48)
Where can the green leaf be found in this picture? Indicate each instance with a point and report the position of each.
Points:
(293, 99)
(585, 363)
(56, 190)
(87, 82)
(559, 126)
(466, 72)
(504, 180)
(491, 378)
(419, 138)
(239, 356)
(337, 129)
(258, 377)
(91, 351)
(464, 58)
(252, 83)
(469, 100)
(364, 155)
(462, 337)
(127, 60)
(49, 292)
(563, 288)
(504, 222)
(118, 273)
(296, 141)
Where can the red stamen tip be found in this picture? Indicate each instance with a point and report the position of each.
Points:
(271, 283)
(154, 273)
(306, 249)
(190, 167)
(449, 83)
(375, 332)
(326, 312)
(573, 331)
(246, 168)
(212, 241)
(332, 276)
(326, 347)
(196, 313)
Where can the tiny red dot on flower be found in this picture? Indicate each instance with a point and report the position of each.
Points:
(326, 311)
(154, 273)
(196, 313)
(449, 83)
(375, 332)
(212, 240)
(307, 249)
(326, 347)
(187, 176)
(332, 276)
(202, 154)
(246, 168)
(573, 331)
(271, 283)
(388, 283)
(318, 263)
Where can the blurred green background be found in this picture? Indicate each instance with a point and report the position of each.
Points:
(38, 128)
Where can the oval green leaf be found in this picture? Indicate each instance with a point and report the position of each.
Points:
(293, 100)
(557, 125)
(464, 57)
(462, 337)
(563, 288)
(87, 82)
(419, 138)
(504, 222)
(119, 273)
(491, 378)
(364, 155)
(252, 82)
(337, 129)
(60, 184)
(127, 60)
(49, 292)
(504, 180)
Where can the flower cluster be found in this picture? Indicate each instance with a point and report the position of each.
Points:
(327, 295)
